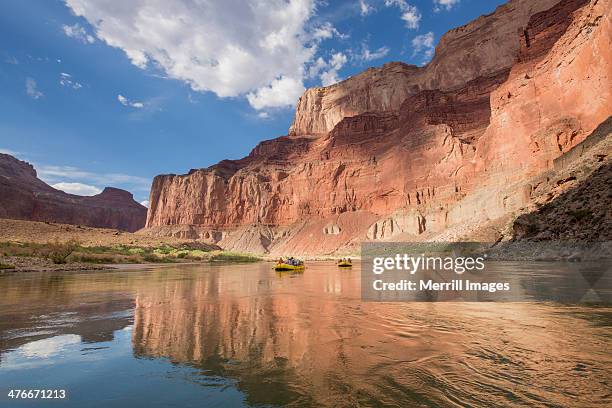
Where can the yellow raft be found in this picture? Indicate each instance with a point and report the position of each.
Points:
(344, 264)
(287, 267)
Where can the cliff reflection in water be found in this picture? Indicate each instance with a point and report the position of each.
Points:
(308, 339)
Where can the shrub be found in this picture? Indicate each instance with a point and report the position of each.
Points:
(59, 252)
(164, 250)
(19, 249)
(6, 266)
(93, 258)
(234, 257)
(151, 258)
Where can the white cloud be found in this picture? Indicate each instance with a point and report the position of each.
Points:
(318, 66)
(365, 8)
(330, 76)
(410, 14)
(7, 151)
(229, 47)
(424, 44)
(46, 348)
(282, 92)
(32, 89)
(67, 81)
(412, 17)
(326, 31)
(79, 33)
(145, 203)
(11, 60)
(367, 55)
(77, 188)
(444, 4)
(327, 71)
(61, 174)
(126, 102)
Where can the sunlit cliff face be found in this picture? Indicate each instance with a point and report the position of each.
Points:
(409, 153)
(308, 338)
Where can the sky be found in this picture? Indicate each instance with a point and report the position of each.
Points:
(100, 93)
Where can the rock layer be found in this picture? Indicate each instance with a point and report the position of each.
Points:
(401, 152)
(24, 196)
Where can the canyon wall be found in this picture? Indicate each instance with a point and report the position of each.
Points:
(407, 153)
(24, 196)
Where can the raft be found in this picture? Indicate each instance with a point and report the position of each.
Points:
(344, 264)
(287, 267)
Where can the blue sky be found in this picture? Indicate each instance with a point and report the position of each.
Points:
(98, 93)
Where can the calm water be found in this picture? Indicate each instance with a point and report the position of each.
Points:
(248, 336)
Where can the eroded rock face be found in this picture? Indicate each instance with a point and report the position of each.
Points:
(482, 47)
(401, 152)
(24, 196)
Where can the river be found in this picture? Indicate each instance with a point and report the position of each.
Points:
(245, 335)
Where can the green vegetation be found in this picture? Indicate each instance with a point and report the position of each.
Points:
(72, 251)
(58, 252)
(233, 257)
(5, 266)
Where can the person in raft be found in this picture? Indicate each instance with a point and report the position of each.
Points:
(292, 261)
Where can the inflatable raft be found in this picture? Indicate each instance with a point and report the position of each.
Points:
(287, 267)
(344, 264)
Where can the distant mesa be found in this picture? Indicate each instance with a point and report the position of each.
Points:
(24, 196)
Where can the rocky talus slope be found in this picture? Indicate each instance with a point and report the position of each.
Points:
(412, 153)
(576, 204)
(23, 196)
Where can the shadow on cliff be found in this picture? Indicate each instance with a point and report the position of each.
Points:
(582, 213)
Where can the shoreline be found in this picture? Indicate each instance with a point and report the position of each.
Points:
(31, 246)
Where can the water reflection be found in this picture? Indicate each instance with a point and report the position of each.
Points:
(307, 339)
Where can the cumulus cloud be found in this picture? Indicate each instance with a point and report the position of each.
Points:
(145, 203)
(68, 174)
(444, 4)
(11, 60)
(32, 89)
(409, 13)
(327, 71)
(67, 81)
(368, 55)
(330, 75)
(230, 47)
(365, 8)
(49, 347)
(281, 92)
(77, 188)
(423, 44)
(326, 31)
(8, 151)
(316, 67)
(126, 102)
(77, 32)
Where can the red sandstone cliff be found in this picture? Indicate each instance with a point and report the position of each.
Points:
(401, 152)
(24, 196)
